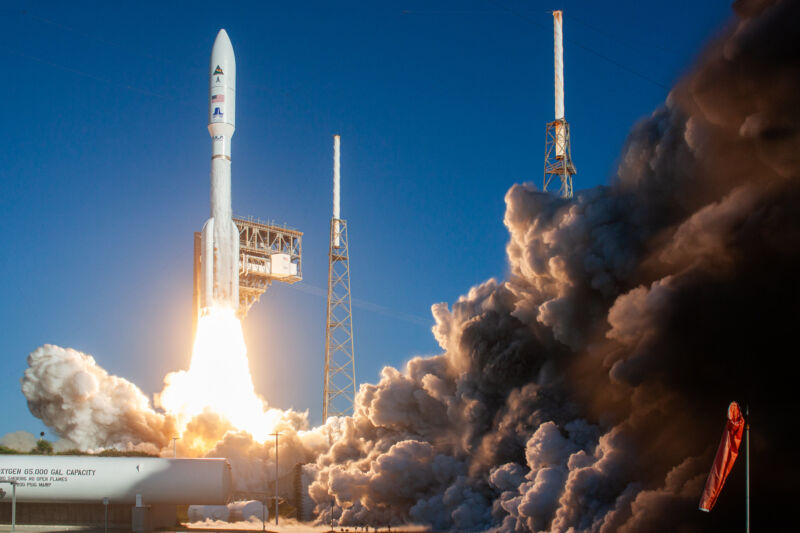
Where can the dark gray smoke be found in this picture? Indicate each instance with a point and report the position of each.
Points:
(588, 391)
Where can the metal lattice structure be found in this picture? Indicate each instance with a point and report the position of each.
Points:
(557, 152)
(267, 253)
(558, 158)
(340, 382)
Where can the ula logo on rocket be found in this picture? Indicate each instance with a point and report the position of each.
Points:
(217, 113)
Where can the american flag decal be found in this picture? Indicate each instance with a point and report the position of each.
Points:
(218, 98)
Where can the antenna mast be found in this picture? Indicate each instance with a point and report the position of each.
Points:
(340, 381)
(557, 152)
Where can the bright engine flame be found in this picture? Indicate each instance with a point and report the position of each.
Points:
(218, 379)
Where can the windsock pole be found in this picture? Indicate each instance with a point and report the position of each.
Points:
(13, 506)
(747, 468)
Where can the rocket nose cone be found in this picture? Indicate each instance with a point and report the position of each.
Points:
(222, 41)
(223, 59)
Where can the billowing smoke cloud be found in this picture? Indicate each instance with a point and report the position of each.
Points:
(587, 391)
(83, 403)
(93, 410)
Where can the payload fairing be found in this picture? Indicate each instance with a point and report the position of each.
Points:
(219, 261)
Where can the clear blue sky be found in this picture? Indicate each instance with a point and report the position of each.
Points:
(104, 167)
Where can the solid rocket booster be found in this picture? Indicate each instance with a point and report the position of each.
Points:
(220, 238)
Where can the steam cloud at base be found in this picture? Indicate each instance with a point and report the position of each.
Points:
(587, 391)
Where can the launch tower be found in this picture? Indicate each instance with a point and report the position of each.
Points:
(340, 380)
(267, 252)
(557, 152)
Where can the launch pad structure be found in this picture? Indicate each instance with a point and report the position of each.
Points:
(558, 165)
(267, 253)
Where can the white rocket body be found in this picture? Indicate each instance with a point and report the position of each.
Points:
(220, 238)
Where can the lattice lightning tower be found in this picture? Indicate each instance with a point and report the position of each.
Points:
(340, 380)
(557, 152)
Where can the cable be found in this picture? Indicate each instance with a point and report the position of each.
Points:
(85, 74)
(105, 42)
(582, 46)
(364, 304)
(634, 44)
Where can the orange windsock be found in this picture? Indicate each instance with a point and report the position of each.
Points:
(726, 455)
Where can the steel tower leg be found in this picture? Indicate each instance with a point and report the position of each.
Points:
(340, 381)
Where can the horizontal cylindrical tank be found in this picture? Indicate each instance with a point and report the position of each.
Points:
(201, 513)
(242, 511)
(247, 510)
(120, 479)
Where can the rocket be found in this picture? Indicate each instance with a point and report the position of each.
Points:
(219, 255)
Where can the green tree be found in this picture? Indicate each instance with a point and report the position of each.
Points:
(43, 447)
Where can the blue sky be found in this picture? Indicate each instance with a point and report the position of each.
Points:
(441, 106)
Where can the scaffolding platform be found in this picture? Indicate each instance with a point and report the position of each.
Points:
(558, 165)
(267, 252)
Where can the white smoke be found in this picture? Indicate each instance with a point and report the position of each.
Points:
(81, 402)
(93, 410)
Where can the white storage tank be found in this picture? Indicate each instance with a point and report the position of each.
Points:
(201, 513)
(242, 511)
(120, 479)
(245, 511)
